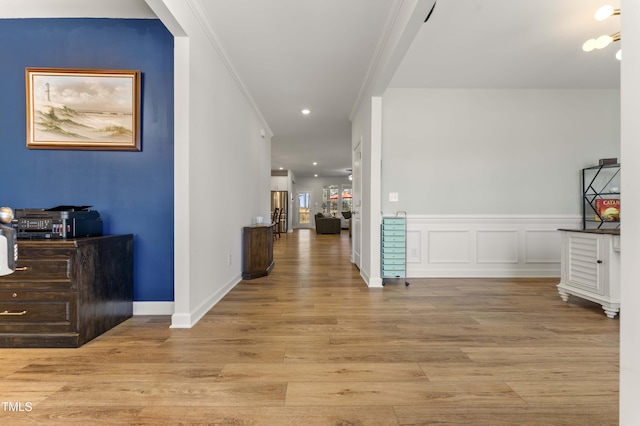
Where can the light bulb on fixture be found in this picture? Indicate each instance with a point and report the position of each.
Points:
(603, 41)
(589, 45)
(619, 55)
(605, 11)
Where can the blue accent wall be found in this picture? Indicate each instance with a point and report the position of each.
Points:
(133, 191)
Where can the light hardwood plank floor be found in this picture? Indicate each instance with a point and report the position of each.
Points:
(311, 345)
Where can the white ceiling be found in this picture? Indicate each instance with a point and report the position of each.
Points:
(292, 54)
(511, 44)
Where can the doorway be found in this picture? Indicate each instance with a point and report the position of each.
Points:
(304, 209)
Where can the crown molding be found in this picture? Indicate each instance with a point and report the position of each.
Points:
(203, 19)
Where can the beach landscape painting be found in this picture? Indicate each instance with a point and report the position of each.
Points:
(83, 109)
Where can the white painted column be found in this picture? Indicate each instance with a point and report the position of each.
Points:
(630, 217)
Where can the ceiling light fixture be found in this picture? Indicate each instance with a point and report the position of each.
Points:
(604, 40)
(306, 111)
(315, 175)
(315, 163)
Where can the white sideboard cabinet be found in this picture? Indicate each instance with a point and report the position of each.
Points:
(591, 267)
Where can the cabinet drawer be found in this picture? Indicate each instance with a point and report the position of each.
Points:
(41, 312)
(393, 272)
(39, 274)
(34, 274)
(393, 239)
(392, 221)
(393, 227)
(30, 269)
(392, 233)
(399, 255)
(393, 250)
(392, 244)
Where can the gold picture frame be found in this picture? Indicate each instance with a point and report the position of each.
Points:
(83, 109)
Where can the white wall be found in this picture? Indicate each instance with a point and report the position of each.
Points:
(222, 173)
(488, 176)
(370, 194)
(630, 234)
(458, 151)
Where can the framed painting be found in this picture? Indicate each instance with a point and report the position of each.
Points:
(83, 109)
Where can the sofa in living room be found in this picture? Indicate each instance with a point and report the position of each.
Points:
(327, 225)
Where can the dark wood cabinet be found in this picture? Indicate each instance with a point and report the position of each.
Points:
(66, 292)
(257, 251)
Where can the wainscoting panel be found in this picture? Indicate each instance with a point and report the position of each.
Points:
(448, 246)
(497, 246)
(537, 243)
(485, 246)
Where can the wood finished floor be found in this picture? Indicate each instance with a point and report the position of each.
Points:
(312, 345)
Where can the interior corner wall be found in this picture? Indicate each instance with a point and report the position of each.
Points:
(132, 191)
(507, 152)
(228, 171)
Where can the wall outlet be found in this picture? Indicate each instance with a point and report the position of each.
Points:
(393, 196)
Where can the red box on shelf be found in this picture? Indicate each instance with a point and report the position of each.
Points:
(607, 209)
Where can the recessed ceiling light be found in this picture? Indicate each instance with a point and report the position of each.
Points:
(281, 168)
(306, 111)
(315, 163)
(315, 175)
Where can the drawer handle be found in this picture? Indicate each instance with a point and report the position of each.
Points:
(14, 313)
(22, 268)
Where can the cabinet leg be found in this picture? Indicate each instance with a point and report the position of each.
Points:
(611, 312)
(564, 296)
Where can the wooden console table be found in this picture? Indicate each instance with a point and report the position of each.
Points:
(257, 251)
(66, 292)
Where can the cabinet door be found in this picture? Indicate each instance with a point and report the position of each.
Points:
(585, 253)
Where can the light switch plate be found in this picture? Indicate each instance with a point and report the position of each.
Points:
(393, 196)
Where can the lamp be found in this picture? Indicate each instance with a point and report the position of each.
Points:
(604, 40)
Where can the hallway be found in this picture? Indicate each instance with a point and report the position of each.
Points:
(311, 344)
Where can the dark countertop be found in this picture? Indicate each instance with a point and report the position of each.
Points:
(594, 231)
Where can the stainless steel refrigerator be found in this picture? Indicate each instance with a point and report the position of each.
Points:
(280, 199)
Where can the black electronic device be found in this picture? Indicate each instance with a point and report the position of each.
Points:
(57, 222)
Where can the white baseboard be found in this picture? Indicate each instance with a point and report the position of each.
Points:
(188, 320)
(153, 308)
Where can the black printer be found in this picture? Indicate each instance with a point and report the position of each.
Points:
(57, 222)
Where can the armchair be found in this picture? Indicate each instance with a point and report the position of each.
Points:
(327, 225)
